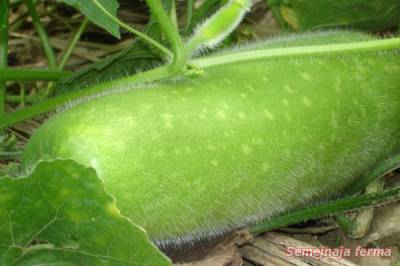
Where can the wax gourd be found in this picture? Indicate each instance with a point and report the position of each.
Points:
(200, 155)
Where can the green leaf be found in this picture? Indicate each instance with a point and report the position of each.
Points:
(133, 59)
(61, 215)
(96, 15)
(364, 15)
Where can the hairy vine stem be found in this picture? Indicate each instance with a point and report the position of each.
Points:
(172, 34)
(315, 50)
(212, 61)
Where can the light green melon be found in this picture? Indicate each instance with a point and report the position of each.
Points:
(199, 156)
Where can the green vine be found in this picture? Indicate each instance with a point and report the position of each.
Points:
(3, 50)
(72, 44)
(21, 74)
(316, 50)
(327, 209)
(172, 34)
(48, 50)
(189, 13)
(165, 72)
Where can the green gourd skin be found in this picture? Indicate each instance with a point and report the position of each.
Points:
(195, 157)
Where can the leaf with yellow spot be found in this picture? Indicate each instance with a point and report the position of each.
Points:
(61, 215)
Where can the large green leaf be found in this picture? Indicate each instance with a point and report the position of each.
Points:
(372, 15)
(96, 15)
(137, 57)
(61, 215)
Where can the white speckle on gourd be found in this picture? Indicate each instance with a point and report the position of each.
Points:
(225, 105)
(246, 149)
(167, 120)
(155, 136)
(288, 117)
(269, 115)
(215, 162)
(363, 110)
(334, 121)
(306, 101)
(133, 122)
(285, 102)
(188, 150)
(147, 107)
(265, 167)
(159, 153)
(306, 76)
(250, 88)
(221, 114)
(257, 141)
(241, 115)
(167, 116)
(338, 85)
(288, 89)
(228, 81)
(211, 147)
